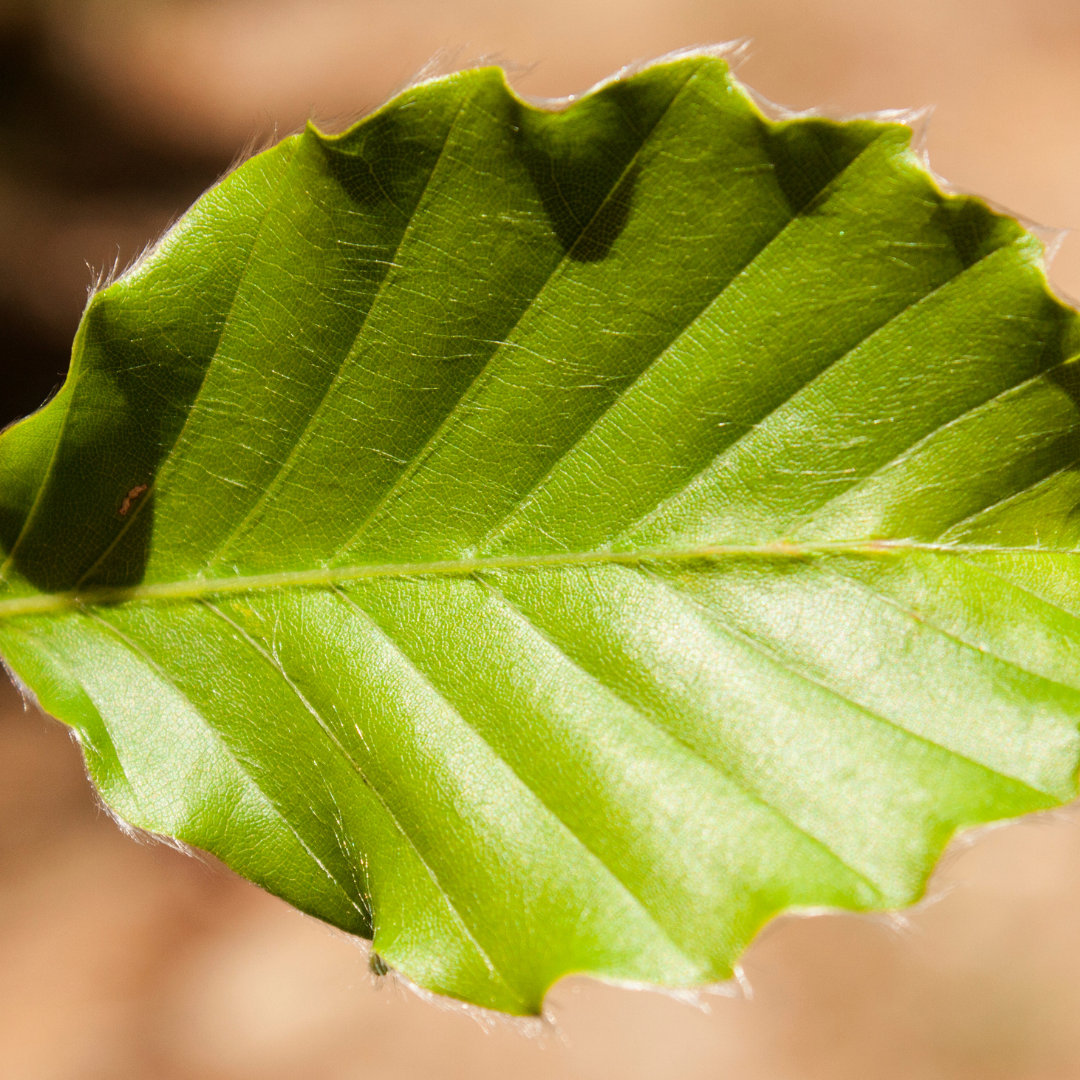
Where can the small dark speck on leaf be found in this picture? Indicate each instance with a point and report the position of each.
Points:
(130, 497)
(378, 965)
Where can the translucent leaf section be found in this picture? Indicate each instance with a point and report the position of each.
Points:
(555, 542)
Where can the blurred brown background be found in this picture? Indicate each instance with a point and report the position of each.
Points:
(129, 961)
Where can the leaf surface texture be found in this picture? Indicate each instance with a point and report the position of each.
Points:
(554, 542)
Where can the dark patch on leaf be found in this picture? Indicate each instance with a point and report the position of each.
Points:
(583, 162)
(807, 154)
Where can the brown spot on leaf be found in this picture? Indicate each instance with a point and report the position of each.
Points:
(130, 497)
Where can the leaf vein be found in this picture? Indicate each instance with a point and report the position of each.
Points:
(528, 497)
(913, 449)
(748, 792)
(141, 653)
(483, 376)
(770, 653)
(729, 450)
(304, 434)
(423, 676)
(328, 732)
(147, 497)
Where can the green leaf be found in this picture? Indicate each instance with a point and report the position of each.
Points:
(559, 541)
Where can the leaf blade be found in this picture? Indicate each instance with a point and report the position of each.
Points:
(557, 542)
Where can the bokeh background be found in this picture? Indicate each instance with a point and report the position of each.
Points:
(128, 960)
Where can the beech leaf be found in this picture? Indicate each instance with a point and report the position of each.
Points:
(559, 541)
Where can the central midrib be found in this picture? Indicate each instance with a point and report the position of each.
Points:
(197, 588)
